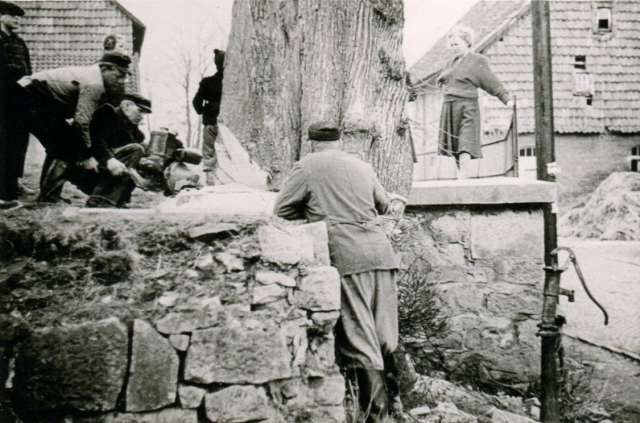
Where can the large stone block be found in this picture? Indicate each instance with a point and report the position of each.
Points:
(238, 404)
(507, 234)
(283, 246)
(153, 375)
(242, 349)
(319, 290)
(78, 367)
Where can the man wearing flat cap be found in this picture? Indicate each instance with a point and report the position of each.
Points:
(116, 144)
(49, 98)
(16, 63)
(340, 189)
(206, 102)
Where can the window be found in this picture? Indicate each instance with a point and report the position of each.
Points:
(528, 152)
(603, 19)
(583, 82)
(589, 100)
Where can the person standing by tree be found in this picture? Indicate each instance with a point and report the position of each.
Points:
(338, 188)
(460, 117)
(17, 63)
(207, 103)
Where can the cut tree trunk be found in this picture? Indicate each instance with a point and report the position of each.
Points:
(291, 63)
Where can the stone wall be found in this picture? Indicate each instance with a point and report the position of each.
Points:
(261, 350)
(486, 261)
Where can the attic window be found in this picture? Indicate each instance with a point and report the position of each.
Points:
(603, 22)
(580, 63)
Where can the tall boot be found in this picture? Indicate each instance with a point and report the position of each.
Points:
(392, 377)
(373, 396)
(52, 179)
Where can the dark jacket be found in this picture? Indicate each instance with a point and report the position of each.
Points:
(207, 100)
(343, 191)
(16, 56)
(110, 129)
(463, 77)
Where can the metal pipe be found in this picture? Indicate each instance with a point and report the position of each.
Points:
(545, 154)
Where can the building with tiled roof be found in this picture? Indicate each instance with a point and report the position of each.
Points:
(71, 32)
(596, 81)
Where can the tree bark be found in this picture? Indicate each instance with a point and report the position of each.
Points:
(291, 63)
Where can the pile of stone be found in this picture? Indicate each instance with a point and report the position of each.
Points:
(611, 212)
(266, 356)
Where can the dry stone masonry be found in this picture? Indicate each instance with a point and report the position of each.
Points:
(261, 350)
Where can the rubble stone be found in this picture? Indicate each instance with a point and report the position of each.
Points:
(213, 231)
(264, 294)
(501, 416)
(185, 321)
(240, 350)
(447, 412)
(169, 415)
(238, 404)
(230, 261)
(191, 396)
(153, 374)
(266, 277)
(283, 247)
(319, 290)
(204, 262)
(78, 367)
(179, 342)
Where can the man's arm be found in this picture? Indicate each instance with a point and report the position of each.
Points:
(89, 99)
(293, 195)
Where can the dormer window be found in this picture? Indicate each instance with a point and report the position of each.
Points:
(603, 21)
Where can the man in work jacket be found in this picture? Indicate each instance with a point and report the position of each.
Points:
(50, 98)
(340, 189)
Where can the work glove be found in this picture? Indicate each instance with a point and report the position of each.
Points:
(89, 164)
(116, 167)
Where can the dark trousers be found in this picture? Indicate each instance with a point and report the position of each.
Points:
(14, 139)
(103, 188)
(46, 119)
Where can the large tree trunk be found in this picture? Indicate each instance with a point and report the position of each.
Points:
(291, 63)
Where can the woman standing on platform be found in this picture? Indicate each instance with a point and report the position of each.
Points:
(459, 134)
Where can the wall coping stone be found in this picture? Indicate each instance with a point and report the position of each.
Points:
(500, 190)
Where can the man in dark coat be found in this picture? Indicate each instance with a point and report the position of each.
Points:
(207, 103)
(340, 189)
(116, 144)
(16, 63)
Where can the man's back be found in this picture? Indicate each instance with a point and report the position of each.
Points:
(342, 190)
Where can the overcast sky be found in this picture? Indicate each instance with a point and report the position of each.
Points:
(425, 20)
(179, 25)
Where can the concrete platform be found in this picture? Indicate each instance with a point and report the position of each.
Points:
(500, 190)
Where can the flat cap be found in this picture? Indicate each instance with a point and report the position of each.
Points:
(11, 9)
(142, 102)
(117, 59)
(323, 131)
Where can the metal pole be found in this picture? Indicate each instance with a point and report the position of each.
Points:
(545, 154)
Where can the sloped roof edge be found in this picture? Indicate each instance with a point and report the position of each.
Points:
(140, 26)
